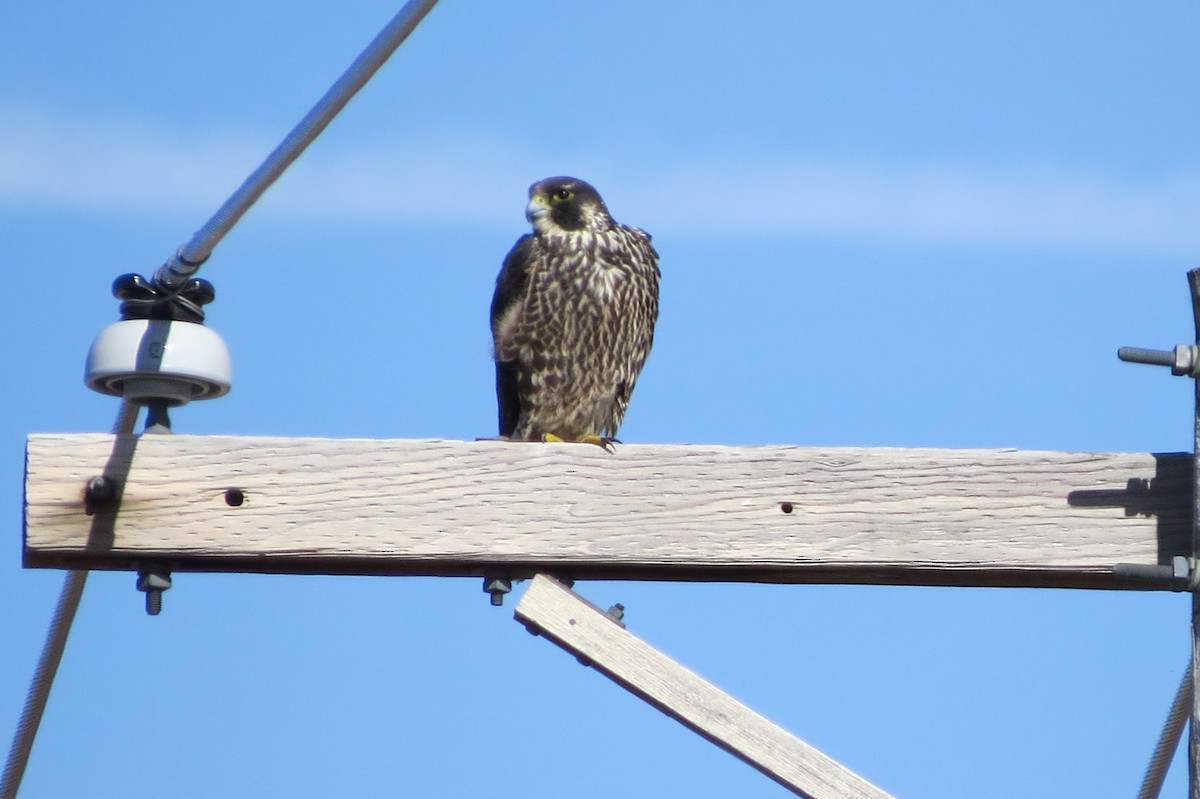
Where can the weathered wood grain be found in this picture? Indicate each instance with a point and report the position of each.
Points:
(551, 610)
(770, 514)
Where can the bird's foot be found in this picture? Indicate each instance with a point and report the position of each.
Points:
(602, 442)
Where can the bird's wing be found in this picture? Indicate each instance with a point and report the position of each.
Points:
(511, 286)
(508, 398)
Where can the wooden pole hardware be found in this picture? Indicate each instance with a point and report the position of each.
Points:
(1184, 360)
(1179, 575)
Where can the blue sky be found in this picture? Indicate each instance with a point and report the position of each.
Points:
(917, 224)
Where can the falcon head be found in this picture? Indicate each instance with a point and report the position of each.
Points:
(562, 205)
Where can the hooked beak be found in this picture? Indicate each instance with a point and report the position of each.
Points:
(537, 207)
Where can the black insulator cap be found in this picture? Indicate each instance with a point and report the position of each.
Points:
(144, 299)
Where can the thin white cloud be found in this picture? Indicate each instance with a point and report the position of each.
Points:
(935, 203)
(112, 167)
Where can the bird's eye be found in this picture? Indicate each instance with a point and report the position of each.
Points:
(563, 194)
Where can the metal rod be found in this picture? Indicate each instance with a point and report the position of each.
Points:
(1194, 731)
(52, 652)
(1176, 577)
(175, 273)
(1142, 355)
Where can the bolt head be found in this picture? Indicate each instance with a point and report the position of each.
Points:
(1185, 360)
(497, 585)
(148, 581)
(100, 490)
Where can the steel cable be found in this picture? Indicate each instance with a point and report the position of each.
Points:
(173, 276)
(1168, 742)
(52, 652)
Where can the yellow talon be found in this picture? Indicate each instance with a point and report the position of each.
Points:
(605, 444)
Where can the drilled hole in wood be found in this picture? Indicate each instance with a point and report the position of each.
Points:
(234, 497)
(786, 507)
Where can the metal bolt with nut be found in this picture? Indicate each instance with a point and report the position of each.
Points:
(153, 583)
(497, 586)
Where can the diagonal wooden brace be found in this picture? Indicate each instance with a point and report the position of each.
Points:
(550, 609)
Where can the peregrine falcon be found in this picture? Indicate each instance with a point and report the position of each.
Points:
(572, 318)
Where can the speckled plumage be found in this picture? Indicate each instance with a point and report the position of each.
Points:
(572, 316)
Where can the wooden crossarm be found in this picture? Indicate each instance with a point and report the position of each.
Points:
(661, 512)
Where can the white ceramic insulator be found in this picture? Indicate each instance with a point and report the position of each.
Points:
(145, 360)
